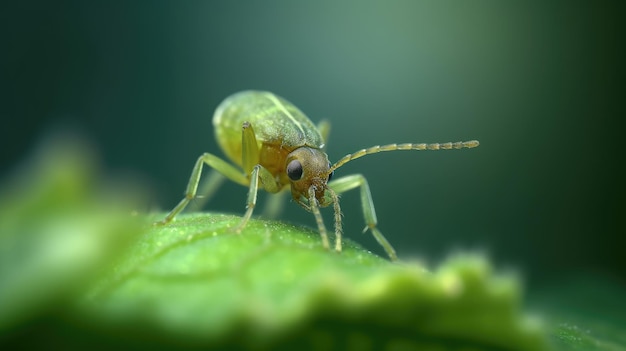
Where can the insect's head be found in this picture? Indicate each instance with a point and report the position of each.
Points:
(308, 168)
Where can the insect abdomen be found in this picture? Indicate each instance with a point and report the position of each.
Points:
(274, 120)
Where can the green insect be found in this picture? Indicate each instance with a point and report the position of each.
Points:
(276, 146)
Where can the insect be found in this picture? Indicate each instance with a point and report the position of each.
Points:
(275, 146)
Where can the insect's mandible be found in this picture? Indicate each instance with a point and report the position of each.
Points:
(273, 146)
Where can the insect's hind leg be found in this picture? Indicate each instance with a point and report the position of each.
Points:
(207, 188)
(274, 205)
(324, 128)
(350, 182)
(219, 165)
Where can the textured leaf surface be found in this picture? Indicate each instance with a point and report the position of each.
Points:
(199, 282)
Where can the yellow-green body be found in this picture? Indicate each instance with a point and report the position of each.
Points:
(276, 122)
(279, 128)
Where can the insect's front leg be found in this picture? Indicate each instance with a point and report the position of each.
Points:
(217, 164)
(350, 182)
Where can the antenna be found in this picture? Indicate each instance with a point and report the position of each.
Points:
(407, 146)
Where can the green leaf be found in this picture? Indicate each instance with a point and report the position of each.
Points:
(58, 227)
(273, 285)
(584, 313)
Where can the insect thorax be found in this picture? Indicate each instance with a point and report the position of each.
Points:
(272, 157)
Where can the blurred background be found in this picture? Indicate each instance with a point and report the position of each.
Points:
(540, 84)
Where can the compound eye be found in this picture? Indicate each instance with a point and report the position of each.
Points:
(294, 170)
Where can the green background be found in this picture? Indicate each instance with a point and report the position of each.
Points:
(540, 84)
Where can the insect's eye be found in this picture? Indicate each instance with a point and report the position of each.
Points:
(294, 170)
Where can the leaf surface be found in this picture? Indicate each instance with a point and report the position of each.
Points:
(198, 281)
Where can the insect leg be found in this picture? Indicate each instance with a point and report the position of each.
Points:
(324, 128)
(212, 181)
(314, 206)
(274, 204)
(217, 164)
(334, 198)
(350, 182)
(250, 160)
(268, 182)
(249, 148)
